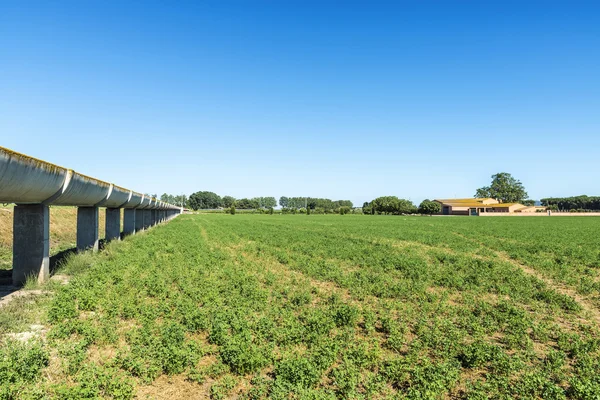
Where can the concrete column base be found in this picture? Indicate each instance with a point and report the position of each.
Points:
(128, 221)
(31, 243)
(113, 224)
(147, 216)
(87, 228)
(139, 220)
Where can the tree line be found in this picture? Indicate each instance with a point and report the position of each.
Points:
(177, 200)
(583, 202)
(392, 205)
(205, 200)
(313, 203)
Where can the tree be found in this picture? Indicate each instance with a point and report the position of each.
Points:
(232, 210)
(577, 202)
(429, 207)
(504, 188)
(283, 201)
(367, 208)
(268, 202)
(344, 210)
(228, 201)
(246, 204)
(393, 205)
(204, 200)
(167, 198)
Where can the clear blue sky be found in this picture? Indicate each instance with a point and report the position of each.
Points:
(345, 100)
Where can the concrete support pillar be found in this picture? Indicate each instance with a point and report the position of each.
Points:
(146, 219)
(87, 228)
(139, 220)
(153, 217)
(31, 243)
(113, 224)
(129, 221)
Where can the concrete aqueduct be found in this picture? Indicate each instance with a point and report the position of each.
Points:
(33, 185)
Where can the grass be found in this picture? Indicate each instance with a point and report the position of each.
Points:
(317, 307)
(63, 232)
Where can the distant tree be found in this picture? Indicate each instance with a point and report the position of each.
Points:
(528, 202)
(228, 201)
(367, 208)
(283, 201)
(268, 202)
(429, 207)
(204, 200)
(584, 202)
(247, 204)
(343, 210)
(181, 200)
(232, 210)
(255, 202)
(307, 210)
(504, 188)
(393, 205)
(169, 198)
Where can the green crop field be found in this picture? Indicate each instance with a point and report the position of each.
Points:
(319, 307)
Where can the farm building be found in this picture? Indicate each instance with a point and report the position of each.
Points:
(477, 206)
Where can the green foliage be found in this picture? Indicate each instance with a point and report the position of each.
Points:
(21, 362)
(177, 200)
(205, 200)
(21, 366)
(323, 308)
(588, 203)
(297, 371)
(95, 381)
(284, 202)
(223, 388)
(430, 207)
(228, 201)
(247, 204)
(345, 315)
(313, 203)
(504, 188)
(242, 356)
(343, 210)
(392, 205)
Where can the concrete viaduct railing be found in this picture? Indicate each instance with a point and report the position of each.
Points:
(33, 185)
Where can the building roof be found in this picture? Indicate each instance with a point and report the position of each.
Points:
(477, 203)
(468, 202)
(465, 200)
